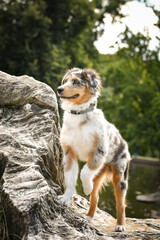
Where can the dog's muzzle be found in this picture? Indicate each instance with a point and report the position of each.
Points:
(60, 93)
(60, 90)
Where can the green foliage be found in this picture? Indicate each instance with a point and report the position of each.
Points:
(59, 64)
(131, 98)
(43, 38)
(25, 38)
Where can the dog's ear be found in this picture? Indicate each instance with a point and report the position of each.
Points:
(93, 81)
(92, 78)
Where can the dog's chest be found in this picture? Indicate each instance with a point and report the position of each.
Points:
(79, 135)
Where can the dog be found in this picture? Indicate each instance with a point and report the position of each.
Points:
(87, 136)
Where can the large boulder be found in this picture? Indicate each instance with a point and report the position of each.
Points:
(31, 173)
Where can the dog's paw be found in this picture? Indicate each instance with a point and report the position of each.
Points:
(120, 228)
(86, 179)
(65, 199)
(89, 219)
(87, 187)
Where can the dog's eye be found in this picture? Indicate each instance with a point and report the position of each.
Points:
(76, 82)
(64, 81)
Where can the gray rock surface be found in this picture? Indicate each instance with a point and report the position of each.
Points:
(136, 229)
(32, 176)
(150, 198)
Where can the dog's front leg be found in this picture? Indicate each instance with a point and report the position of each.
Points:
(90, 170)
(70, 176)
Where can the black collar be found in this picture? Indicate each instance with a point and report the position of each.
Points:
(89, 109)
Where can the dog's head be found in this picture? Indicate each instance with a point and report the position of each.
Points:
(79, 86)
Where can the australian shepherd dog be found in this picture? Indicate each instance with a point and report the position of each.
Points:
(87, 136)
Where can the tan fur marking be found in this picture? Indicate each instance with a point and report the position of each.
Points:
(86, 77)
(71, 156)
(84, 96)
(91, 154)
(74, 78)
(65, 80)
(70, 91)
(120, 198)
(99, 179)
(83, 123)
(90, 158)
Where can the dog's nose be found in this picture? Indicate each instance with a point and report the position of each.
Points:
(60, 90)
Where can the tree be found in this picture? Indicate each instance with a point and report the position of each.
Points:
(131, 95)
(31, 31)
(25, 38)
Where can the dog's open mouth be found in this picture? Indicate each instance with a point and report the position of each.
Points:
(72, 97)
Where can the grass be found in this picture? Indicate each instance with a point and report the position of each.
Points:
(4, 233)
(3, 225)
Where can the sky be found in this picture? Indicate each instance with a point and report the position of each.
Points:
(138, 18)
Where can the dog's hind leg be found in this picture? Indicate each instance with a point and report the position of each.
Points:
(94, 197)
(120, 183)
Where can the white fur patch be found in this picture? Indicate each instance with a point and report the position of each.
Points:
(66, 197)
(79, 131)
(87, 176)
(70, 178)
(89, 219)
(120, 228)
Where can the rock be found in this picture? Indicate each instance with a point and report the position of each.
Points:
(150, 198)
(32, 175)
(29, 125)
(136, 229)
